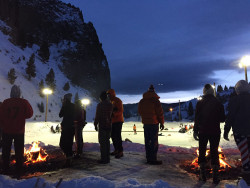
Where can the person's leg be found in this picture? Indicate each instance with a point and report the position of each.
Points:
(7, 142)
(119, 140)
(203, 140)
(114, 139)
(214, 144)
(242, 144)
(147, 141)
(19, 152)
(154, 142)
(102, 143)
(79, 139)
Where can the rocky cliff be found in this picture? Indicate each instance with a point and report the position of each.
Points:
(52, 22)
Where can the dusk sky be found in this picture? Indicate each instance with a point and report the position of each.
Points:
(176, 45)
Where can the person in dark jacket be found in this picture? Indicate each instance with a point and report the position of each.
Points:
(67, 112)
(13, 113)
(79, 123)
(209, 114)
(238, 118)
(103, 124)
(151, 112)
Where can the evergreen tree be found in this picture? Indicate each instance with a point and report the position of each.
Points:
(66, 86)
(225, 88)
(41, 107)
(219, 88)
(31, 67)
(50, 79)
(41, 87)
(76, 99)
(190, 109)
(43, 52)
(12, 76)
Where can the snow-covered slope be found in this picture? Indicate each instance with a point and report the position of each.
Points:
(9, 55)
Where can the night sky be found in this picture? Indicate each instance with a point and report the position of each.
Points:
(177, 45)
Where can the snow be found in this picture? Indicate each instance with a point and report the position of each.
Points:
(173, 147)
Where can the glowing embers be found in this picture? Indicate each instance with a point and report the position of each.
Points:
(223, 164)
(34, 154)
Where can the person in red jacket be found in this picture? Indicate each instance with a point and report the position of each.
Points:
(151, 112)
(13, 113)
(117, 121)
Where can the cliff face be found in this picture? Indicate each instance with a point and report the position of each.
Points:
(52, 22)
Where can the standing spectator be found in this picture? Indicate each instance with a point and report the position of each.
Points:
(151, 112)
(117, 121)
(103, 125)
(67, 112)
(239, 119)
(134, 129)
(13, 113)
(208, 115)
(79, 123)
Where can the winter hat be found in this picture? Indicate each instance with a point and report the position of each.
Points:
(242, 87)
(208, 90)
(103, 96)
(151, 88)
(68, 96)
(15, 92)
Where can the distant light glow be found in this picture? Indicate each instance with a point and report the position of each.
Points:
(171, 109)
(47, 91)
(85, 102)
(245, 61)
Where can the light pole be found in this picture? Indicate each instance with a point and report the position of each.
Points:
(171, 110)
(179, 110)
(244, 62)
(47, 92)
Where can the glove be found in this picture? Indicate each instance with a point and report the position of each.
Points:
(196, 136)
(161, 126)
(226, 136)
(96, 128)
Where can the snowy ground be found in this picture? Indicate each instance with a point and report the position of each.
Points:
(130, 171)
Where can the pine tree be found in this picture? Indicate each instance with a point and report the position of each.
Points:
(76, 99)
(50, 79)
(225, 88)
(41, 107)
(190, 109)
(41, 87)
(66, 86)
(31, 67)
(12, 76)
(44, 52)
(219, 88)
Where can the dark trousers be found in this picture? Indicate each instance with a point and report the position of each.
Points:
(19, 149)
(151, 141)
(243, 144)
(214, 141)
(78, 138)
(66, 140)
(104, 136)
(116, 135)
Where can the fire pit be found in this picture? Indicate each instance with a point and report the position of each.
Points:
(228, 170)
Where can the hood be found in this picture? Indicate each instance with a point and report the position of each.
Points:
(111, 92)
(15, 92)
(242, 87)
(150, 94)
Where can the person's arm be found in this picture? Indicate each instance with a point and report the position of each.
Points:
(96, 122)
(229, 119)
(196, 118)
(118, 108)
(159, 112)
(28, 110)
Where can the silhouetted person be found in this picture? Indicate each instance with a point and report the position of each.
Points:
(103, 125)
(80, 118)
(67, 112)
(209, 114)
(239, 119)
(13, 112)
(151, 112)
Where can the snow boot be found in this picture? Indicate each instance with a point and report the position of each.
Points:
(202, 176)
(216, 179)
(114, 152)
(119, 155)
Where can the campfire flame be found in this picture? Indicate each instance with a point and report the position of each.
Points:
(223, 163)
(35, 154)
